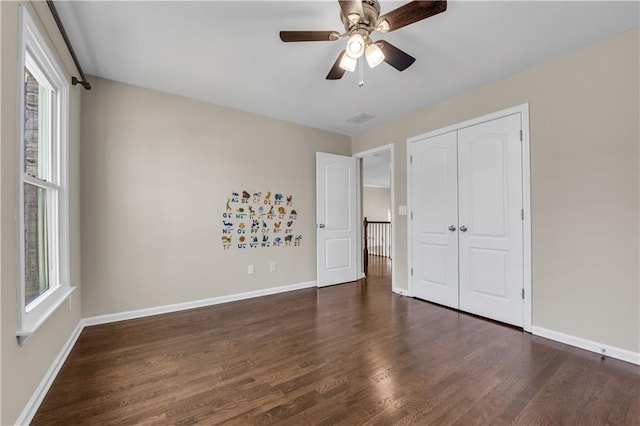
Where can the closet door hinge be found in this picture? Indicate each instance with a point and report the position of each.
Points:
(411, 159)
(523, 293)
(520, 135)
(522, 214)
(411, 215)
(411, 271)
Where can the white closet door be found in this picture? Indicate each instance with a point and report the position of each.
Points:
(435, 214)
(490, 203)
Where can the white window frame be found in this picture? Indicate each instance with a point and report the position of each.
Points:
(36, 55)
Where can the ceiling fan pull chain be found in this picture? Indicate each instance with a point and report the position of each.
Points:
(361, 71)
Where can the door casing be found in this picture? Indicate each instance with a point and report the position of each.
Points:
(394, 215)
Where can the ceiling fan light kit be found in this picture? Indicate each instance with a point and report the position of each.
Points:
(355, 46)
(361, 18)
(374, 55)
(348, 63)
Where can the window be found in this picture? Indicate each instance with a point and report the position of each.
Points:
(44, 261)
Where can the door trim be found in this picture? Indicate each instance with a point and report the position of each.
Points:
(360, 155)
(523, 110)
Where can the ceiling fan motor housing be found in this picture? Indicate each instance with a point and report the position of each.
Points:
(371, 9)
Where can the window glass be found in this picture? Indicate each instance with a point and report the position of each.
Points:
(36, 254)
(36, 127)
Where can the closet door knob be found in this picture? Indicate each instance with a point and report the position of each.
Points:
(463, 228)
(452, 228)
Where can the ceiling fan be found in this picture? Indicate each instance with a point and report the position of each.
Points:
(361, 18)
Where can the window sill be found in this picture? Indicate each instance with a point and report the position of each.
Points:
(24, 333)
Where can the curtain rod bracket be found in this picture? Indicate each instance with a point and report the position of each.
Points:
(84, 84)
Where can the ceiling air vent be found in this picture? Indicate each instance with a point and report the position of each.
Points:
(360, 118)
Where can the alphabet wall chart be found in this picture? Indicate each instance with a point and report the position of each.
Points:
(252, 220)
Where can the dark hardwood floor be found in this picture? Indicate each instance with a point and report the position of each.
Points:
(349, 354)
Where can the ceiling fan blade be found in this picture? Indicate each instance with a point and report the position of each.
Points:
(411, 12)
(394, 56)
(289, 36)
(336, 72)
(351, 6)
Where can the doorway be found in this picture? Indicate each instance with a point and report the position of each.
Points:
(377, 214)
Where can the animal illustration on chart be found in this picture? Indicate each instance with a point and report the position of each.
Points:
(293, 212)
(251, 210)
(227, 224)
(278, 197)
(270, 210)
(288, 238)
(226, 240)
(246, 195)
(240, 210)
(242, 225)
(257, 194)
(265, 238)
(282, 210)
(289, 198)
(228, 206)
(277, 225)
(289, 223)
(267, 198)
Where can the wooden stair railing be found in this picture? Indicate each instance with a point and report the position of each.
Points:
(379, 234)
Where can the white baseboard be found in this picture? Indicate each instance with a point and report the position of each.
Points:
(41, 391)
(400, 291)
(589, 345)
(139, 313)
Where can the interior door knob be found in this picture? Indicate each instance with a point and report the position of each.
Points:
(463, 228)
(452, 228)
(321, 225)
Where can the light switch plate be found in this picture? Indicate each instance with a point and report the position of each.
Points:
(402, 210)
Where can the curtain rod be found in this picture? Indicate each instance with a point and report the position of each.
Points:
(84, 83)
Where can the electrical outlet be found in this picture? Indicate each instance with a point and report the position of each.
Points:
(251, 270)
(273, 267)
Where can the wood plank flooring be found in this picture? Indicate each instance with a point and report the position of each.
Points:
(350, 354)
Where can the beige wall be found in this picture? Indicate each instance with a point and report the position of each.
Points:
(156, 173)
(22, 368)
(376, 202)
(584, 183)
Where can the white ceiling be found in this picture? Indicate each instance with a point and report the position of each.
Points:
(376, 169)
(228, 52)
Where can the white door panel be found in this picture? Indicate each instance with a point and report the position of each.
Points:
(435, 209)
(336, 219)
(490, 203)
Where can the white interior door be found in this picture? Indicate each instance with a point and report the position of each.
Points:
(434, 207)
(491, 226)
(336, 219)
